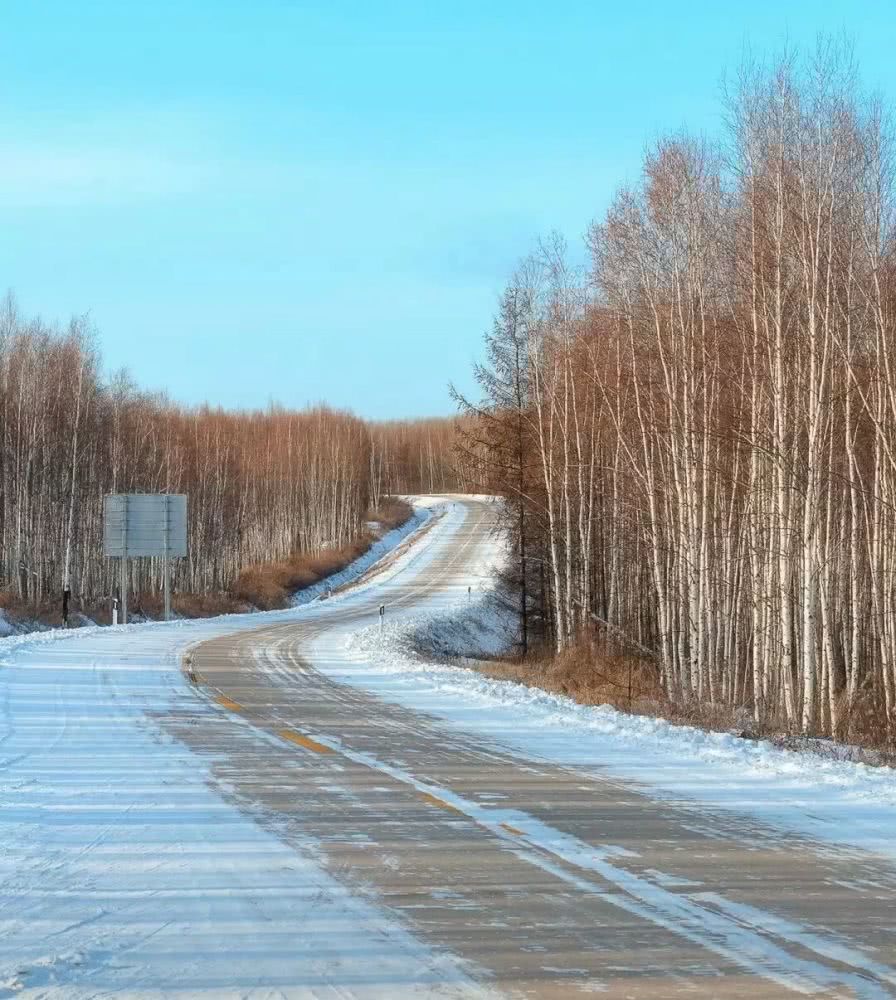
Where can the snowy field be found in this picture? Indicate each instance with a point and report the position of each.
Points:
(121, 867)
(122, 872)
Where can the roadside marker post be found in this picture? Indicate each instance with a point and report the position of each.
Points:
(382, 616)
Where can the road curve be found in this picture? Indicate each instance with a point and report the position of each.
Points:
(541, 880)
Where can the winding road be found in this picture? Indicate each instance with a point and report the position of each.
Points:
(542, 880)
(191, 811)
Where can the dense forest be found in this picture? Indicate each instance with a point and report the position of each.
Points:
(262, 486)
(696, 432)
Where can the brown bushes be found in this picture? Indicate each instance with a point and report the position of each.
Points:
(594, 677)
(146, 604)
(392, 513)
(48, 610)
(588, 675)
(269, 585)
(150, 605)
(591, 673)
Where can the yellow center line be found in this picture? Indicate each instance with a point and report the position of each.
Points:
(304, 741)
(227, 703)
(512, 829)
(434, 800)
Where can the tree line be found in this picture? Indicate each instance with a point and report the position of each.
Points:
(262, 486)
(696, 431)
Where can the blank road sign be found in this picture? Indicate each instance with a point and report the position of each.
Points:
(145, 524)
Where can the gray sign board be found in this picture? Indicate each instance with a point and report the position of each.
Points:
(145, 524)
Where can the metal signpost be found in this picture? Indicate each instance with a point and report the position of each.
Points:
(145, 524)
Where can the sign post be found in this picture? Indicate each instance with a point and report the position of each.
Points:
(149, 525)
(165, 568)
(123, 587)
(123, 565)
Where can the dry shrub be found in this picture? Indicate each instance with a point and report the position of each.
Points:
(392, 513)
(594, 676)
(865, 722)
(589, 675)
(269, 585)
(48, 611)
(592, 673)
(207, 605)
(151, 605)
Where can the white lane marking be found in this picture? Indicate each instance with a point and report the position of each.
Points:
(744, 941)
(798, 934)
(746, 938)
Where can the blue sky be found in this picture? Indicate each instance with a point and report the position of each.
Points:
(321, 201)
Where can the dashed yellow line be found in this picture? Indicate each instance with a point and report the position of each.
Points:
(309, 744)
(434, 800)
(304, 741)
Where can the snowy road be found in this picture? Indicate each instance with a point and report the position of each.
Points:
(251, 826)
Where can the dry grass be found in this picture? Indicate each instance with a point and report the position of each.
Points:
(590, 675)
(16, 610)
(392, 513)
(586, 675)
(270, 585)
(183, 605)
(149, 605)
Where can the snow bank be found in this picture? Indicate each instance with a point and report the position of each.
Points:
(355, 570)
(838, 802)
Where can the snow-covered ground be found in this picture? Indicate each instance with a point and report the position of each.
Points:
(382, 547)
(323, 588)
(121, 867)
(122, 872)
(837, 802)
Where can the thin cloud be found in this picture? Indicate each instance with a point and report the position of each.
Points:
(35, 177)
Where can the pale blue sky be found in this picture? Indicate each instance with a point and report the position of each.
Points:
(320, 201)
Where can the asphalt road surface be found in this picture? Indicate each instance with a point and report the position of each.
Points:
(593, 887)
